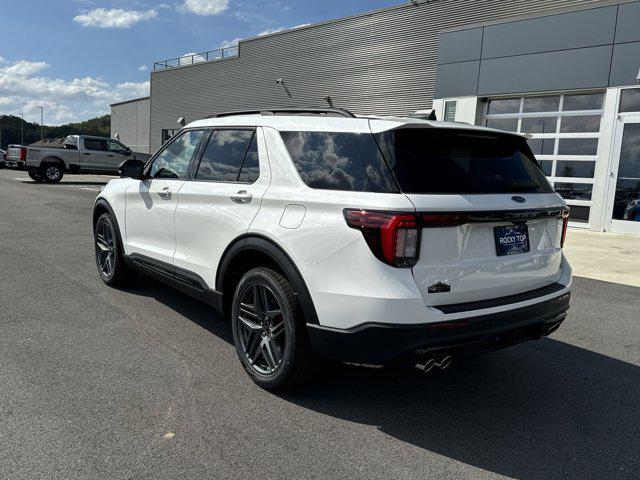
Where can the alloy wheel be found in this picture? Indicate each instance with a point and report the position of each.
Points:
(52, 173)
(105, 250)
(261, 328)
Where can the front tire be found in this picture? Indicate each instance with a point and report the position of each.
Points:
(52, 172)
(269, 330)
(109, 258)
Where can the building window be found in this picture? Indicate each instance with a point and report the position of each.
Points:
(630, 100)
(565, 133)
(450, 111)
(168, 133)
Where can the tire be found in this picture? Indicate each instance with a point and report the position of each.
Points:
(35, 176)
(109, 258)
(52, 172)
(273, 347)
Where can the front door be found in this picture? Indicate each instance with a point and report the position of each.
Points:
(624, 187)
(117, 153)
(151, 203)
(94, 154)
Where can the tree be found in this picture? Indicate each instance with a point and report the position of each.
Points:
(10, 124)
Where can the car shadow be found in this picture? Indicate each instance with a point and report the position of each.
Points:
(543, 409)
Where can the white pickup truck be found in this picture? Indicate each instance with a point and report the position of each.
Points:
(81, 154)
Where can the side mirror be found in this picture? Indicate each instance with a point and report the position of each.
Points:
(128, 152)
(132, 169)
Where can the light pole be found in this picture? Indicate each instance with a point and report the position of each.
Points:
(22, 129)
(41, 126)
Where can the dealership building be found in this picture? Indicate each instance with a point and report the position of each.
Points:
(566, 72)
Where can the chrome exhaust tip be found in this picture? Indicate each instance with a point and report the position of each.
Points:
(427, 366)
(444, 363)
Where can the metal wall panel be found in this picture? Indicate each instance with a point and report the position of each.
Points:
(564, 70)
(625, 64)
(628, 29)
(460, 46)
(382, 62)
(457, 79)
(587, 28)
(130, 121)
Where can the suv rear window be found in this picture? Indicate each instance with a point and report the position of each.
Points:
(442, 161)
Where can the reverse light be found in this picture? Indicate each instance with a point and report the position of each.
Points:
(565, 224)
(393, 238)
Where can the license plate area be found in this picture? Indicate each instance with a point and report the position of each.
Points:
(511, 239)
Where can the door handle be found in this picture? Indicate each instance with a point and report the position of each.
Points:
(241, 197)
(165, 193)
(109, 155)
(87, 153)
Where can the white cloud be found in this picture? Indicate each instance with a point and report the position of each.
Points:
(230, 43)
(206, 7)
(281, 29)
(113, 18)
(23, 88)
(143, 68)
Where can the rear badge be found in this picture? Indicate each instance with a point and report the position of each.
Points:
(439, 288)
(519, 199)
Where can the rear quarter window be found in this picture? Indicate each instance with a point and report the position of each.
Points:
(329, 161)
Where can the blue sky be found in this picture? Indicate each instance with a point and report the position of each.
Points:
(77, 56)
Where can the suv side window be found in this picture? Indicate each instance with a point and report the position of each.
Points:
(173, 161)
(226, 153)
(95, 144)
(117, 147)
(329, 161)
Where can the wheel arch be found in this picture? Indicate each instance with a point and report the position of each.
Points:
(251, 250)
(53, 159)
(101, 207)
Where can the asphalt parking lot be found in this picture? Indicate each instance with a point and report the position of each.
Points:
(145, 383)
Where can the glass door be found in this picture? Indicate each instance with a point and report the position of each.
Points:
(624, 186)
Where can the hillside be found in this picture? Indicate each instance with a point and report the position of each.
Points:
(10, 126)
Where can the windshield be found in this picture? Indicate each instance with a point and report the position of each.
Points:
(449, 161)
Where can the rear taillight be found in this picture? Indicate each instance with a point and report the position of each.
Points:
(394, 238)
(23, 153)
(565, 223)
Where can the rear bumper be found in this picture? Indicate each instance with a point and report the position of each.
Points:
(380, 343)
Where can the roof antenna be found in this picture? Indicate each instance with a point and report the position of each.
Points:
(329, 100)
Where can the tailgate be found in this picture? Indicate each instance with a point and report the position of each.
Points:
(467, 262)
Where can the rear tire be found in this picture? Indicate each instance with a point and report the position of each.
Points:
(109, 257)
(52, 172)
(35, 175)
(269, 331)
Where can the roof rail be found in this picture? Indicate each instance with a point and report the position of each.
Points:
(336, 112)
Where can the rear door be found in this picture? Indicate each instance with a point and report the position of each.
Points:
(221, 199)
(492, 224)
(93, 155)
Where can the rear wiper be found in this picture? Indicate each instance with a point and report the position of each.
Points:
(524, 185)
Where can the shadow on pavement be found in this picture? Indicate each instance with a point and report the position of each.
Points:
(544, 409)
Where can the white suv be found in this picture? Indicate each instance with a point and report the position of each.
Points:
(362, 239)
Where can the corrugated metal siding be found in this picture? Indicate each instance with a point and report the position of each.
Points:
(379, 63)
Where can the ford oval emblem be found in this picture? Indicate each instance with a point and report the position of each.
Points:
(519, 199)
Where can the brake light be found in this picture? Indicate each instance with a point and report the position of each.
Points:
(434, 220)
(23, 153)
(565, 223)
(393, 238)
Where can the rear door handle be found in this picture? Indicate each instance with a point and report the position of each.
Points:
(165, 192)
(241, 197)
(109, 155)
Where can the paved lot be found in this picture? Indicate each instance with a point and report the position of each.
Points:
(101, 383)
